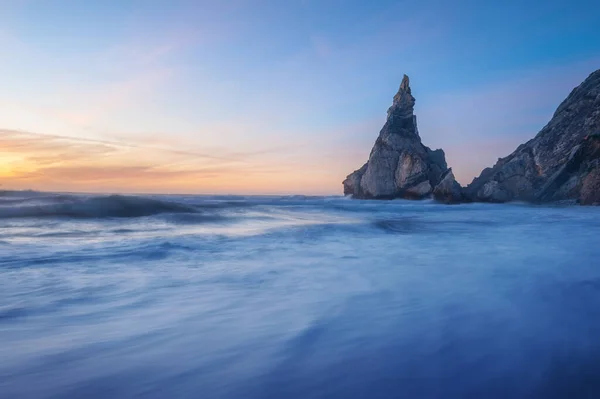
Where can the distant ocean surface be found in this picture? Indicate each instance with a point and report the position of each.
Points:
(296, 297)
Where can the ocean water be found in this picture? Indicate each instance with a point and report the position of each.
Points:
(296, 297)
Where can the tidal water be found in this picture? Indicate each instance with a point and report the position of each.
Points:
(296, 297)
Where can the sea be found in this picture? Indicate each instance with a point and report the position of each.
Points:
(121, 296)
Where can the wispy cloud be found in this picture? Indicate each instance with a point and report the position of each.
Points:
(13, 139)
(54, 162)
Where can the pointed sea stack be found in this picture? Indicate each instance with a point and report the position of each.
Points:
(400, 166)
(562, 163)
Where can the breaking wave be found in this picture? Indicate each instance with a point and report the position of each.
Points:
(119, 206)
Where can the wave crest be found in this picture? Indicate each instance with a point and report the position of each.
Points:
(119, 206)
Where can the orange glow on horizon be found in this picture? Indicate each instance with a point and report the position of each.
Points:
(58, 164)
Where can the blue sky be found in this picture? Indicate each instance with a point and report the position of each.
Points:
(263, 96)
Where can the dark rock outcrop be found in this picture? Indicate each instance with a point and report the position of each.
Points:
(399, 165)
(448, 190)
(562, 163)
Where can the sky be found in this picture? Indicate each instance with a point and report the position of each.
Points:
(271, 96)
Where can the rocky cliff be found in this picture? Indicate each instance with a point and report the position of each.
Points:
(399, 165)
(562, 163)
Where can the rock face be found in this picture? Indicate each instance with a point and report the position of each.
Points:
(448, 190)
(399, 166)
(562, 163)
